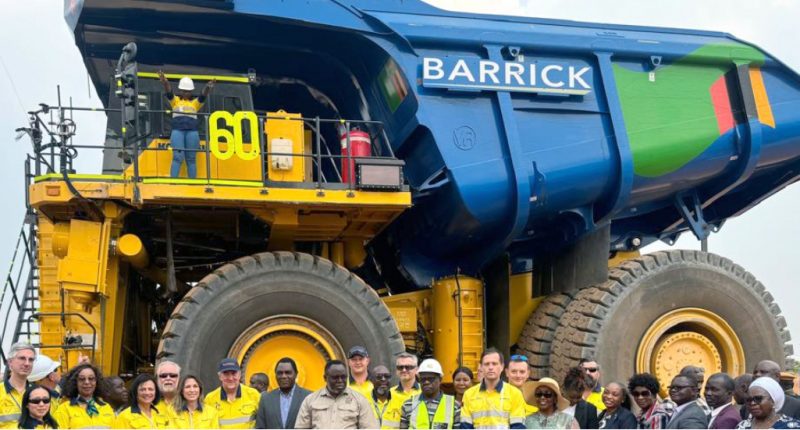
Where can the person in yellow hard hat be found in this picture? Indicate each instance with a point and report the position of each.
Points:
(184, 139)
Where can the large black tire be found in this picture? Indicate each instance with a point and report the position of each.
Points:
(537, 336)
(208, 320)
(608, 321)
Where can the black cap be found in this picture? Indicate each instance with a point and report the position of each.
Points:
(228, 364)
(357, 350)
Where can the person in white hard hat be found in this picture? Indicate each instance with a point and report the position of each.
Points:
(184, 139)
(47, 373)
(431, 409)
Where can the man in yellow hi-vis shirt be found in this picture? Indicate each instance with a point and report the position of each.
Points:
(358, 362)
(493, 404)
(20, 363)
(236, 404)
(406, 365)
(595, 395)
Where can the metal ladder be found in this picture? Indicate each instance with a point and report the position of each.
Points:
(19, 299)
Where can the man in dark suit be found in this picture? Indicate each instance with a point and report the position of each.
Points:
(688, 414)
(771, 369)
(278, 408)
(719, 393)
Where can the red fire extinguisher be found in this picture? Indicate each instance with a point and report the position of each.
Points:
(360, 146)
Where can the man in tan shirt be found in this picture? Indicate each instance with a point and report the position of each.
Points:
(336, 405)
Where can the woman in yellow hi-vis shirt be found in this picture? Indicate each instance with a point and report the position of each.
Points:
(142, 413)
(80, 405)
(190, 413)
(36, 409)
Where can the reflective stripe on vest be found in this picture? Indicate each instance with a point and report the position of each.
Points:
(9, 418)
(94, 427)
(490, 414)
(234, 421)
(443, 415)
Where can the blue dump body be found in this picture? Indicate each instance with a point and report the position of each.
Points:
(519, 135)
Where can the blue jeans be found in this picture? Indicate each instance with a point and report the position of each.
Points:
(181, 140)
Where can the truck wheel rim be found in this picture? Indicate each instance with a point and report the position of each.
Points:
(689, 336)
(308, 343)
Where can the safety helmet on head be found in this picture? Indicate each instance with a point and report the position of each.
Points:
(186, 84)
(431, 366)
(42, 366)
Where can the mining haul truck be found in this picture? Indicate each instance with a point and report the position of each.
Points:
(388, 174)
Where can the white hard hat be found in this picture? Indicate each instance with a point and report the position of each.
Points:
(42, 366)
(186, 84)
(431, 366)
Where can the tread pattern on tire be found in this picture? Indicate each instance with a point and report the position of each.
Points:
(579, 328)
(539, 331)
(192, 304)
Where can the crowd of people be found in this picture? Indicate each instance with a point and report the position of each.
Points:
(359, 394)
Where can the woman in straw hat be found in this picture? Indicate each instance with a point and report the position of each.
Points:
(546, 395)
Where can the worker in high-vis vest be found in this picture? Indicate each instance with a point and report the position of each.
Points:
(493, 404)
(20, 363)
(431, 409)
(406, 368)
(236, 404)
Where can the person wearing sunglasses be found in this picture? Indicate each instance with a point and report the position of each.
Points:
(168, 374)
(546, 395)
(617, 414)
(594, 394)
(82, 404)
(36, 409)
(431, 409)
(381, 393)
(764, 400)
(46, 372)
(406, 365)
(688, 414)
(653, 414)
(462, 381)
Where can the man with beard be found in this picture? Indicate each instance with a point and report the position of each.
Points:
(381, 394)
(430, 409)
(168, 373)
